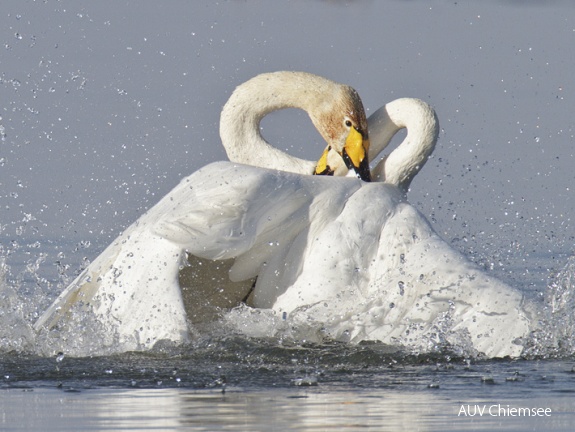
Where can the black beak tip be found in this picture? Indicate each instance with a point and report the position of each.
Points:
(363, 172)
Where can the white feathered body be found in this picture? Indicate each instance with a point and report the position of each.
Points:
(354, 258)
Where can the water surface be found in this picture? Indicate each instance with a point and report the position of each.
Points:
(242, 385)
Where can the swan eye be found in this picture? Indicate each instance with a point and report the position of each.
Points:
(348, 123)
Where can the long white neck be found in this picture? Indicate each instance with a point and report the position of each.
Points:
(401, 166)
(253, 100)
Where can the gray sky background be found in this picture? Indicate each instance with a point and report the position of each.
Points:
(106, 105)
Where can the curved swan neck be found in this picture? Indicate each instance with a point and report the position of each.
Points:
(401, 166)
(253, 100)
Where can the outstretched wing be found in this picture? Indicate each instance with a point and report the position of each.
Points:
(220, 228)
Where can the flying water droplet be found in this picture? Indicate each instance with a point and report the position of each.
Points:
(401, 287)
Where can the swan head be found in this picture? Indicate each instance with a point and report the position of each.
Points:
(343, 125)
(335, 109)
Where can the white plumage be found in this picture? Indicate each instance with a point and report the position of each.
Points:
(353, 258)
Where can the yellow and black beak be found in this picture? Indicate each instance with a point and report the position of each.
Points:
(354, 155)
(322, 167)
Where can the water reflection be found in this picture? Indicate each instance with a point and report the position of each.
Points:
(275, 409)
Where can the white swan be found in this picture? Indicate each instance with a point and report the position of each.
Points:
(351, 257)
(132, 286)
(368, 266)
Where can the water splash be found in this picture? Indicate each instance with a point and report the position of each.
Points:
(554, 338)
(15, 332)
(82, 335)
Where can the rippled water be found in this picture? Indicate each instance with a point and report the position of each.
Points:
(241, 384)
